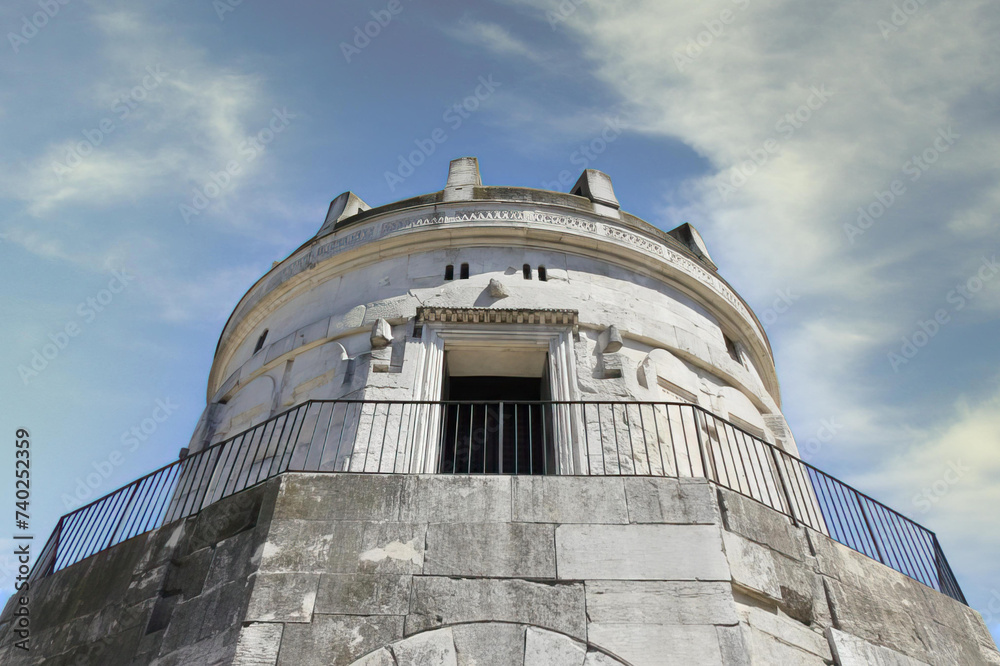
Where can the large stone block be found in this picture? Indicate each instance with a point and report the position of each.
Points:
(640, 552)
(518, 550)
(363, 594)
(339, 497)
(378, 658)
(766, 649)
(786, 631)
(762, 524)
(313, 546)
(659, 645)
(751, 565)
(853, 651)
(654, 500)
(258, 645)
(335, 640)
(545, 648)
(234, 559)
(489, 644)
(440, 601)
(456, 499)
(660, 602)
(549, 499)
(283, 597)
(802, 593)
(882, 621)
(431, 647)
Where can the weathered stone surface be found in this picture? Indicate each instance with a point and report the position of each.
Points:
(802, 595)
(882, 621)
(431, 648)
(378, 658)
(640, 552)
(733, 646)
(497, 289)
(664, 500)
(489, 644)
(381, 333)
(363, 594)
(258, 645)
(313, 546)
(440, 601)
(660, 602)
(853, 651)
(595, 658)
(283, 597)
(659, 645)
(788, 631)
(456, 499)
(507, 550)
(331, 640)
(751, 565)
(339, 497)
(766, 649)
(545, 648)
(234, 559)
(761, 524)
(547, 499)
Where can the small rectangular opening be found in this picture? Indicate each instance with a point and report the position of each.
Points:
(465, 272)
(449, 272)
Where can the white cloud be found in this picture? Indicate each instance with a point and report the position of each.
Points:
(174, 116)
(723, 77)
(493, 37)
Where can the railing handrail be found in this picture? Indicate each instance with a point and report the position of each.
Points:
(822, 506)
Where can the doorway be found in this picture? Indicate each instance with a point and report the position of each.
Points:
(497, 424)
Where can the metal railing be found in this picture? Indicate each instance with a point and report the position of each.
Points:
(657, 439)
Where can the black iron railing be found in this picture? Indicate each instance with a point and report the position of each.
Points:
(462, 437)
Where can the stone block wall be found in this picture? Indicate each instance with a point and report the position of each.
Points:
(392, 570)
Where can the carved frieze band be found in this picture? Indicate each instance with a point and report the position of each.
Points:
(337, 244)
(497, 316)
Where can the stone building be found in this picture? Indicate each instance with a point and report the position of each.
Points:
(493, 426)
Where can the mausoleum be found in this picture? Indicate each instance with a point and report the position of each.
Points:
(493, 426)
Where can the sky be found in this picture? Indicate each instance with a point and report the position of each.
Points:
(840, 160)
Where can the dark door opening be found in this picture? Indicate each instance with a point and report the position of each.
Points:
(502, 429)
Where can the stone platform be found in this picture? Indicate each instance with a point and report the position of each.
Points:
(327, 569)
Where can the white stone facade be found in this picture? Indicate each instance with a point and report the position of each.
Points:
(681, 333)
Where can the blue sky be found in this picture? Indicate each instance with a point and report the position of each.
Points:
(839, 159)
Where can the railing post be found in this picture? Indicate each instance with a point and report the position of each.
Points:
(868, 525)
(131, 496)
(701, 445)
(783, 482)
(500, 445)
